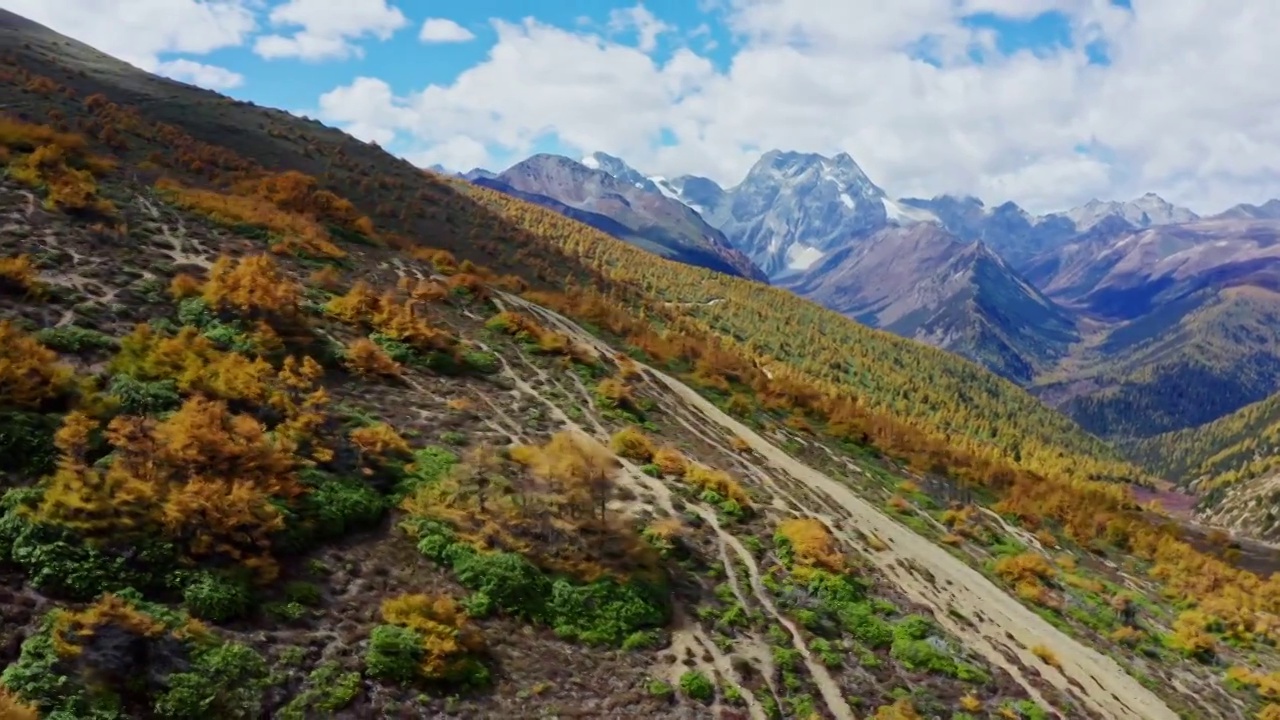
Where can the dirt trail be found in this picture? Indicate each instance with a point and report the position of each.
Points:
(1096, 680)
(998, 622)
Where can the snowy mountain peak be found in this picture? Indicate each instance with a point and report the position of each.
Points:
(1142, 212)
(619, 169)
(780, 165)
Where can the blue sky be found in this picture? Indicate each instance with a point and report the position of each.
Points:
(408, 65)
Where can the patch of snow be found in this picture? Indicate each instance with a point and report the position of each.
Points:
(848, 201)
(591, 162)
(665, 188)
(802, 257)
(898, 212)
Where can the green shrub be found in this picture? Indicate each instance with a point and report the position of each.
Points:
(75, 339)
(481, 361)
(226, 680)
(602, 612)
(395, 654)
(429, 465)
(180, 676)
(335, 507)
(140, 397)
(26, 443)
(660, 688)
(697, 686)
(60, 564)
(327, 691)
(216, 597)
(303, 593)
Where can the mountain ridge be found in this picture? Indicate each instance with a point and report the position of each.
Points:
(661, 224)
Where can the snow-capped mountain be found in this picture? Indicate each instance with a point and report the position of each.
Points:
(922, 281)
(792, 209)
(621, 170)
(1143, 212)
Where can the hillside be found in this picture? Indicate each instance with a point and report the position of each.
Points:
(321, 434)
(1232, 463)
(922, 282)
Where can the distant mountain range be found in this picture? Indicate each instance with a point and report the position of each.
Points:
(628, 208)
(1136, 318)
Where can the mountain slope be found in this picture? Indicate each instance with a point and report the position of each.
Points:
(1187, 325)
(389, 485)
(1240, 445)
(1232, 463)
(479, 224)
(924, 283)
(653, 221)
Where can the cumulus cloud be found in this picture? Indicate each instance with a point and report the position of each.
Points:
(646, 26)
(443, 30)
(327, 30)
(140, 31)
(196, 73)
(1186, 107)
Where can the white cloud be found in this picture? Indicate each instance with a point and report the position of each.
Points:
(207, 76)
(1187, 108)
(643, 23)
(444, 30)
(140, 31)
(459, 152)
(328, 29)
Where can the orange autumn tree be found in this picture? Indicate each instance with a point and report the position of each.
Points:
(30, 373)
(209, 480)
(813, 544)
(251, 286)
(386, 315)
(450, 643)
(364, 357)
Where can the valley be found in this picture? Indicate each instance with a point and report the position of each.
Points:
(293, 428)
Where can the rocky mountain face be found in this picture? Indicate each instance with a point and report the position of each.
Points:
(925, 283)
(1270, 210)
(625, 208)
(792, 209)
(1010, 231)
